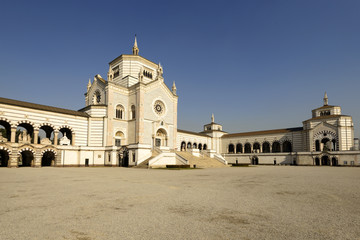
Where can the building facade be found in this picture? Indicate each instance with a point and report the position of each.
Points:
(130, 119)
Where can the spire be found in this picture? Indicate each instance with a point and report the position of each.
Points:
(89, 85)
(135, 49)
(212, 118)
(325, 99)
(174, 88)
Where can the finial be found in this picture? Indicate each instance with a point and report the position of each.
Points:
(212, 118)
(89, 85)
(135, 49)
(174, 88)
(326, 99)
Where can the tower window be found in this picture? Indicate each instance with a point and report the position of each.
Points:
(116, 71)
(120, 112)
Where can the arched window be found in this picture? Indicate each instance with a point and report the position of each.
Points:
(188, 145)
(287, 146)
(276, 147)
(183, 146)
(200, 146)
(204, 147)
(247, 148)
(256, 147)
(97, 97)
(231, 148)
(120, 112)
(133, 115)
(266, 147)
(194, 145)
(65, 136)
(119, 138)
(239, 148)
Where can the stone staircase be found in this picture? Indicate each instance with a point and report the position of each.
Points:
(201, 162)
(145, 164)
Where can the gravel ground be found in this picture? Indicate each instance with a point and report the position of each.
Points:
(263, 202)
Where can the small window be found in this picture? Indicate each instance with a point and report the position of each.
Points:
(119, 112)
(118, 142)
(133, 157)
(116, 71)
(345, 162)
(133, 112)
(352, 163)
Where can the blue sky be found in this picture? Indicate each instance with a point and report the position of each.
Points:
(255, 64)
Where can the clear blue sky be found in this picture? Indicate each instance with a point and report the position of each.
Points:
(255, 64)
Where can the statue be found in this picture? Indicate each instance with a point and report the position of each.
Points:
(45, 141)
(24, 137)
(64, 140)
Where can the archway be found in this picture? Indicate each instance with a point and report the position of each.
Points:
(65, 136)
(194, 146)
(48, 159)
(247, 148)
(189, 145)
(231, 148)
(266, 147)
(46, 135)
(334, 161)
(26, 159)
(5, 131)
(123, 157)
(204, 147)
(25, 133)
(287, 146)
(200, 146)
(276, 147)
(254, 160)
(317, 161)
(161, 138)
(325, 160)
(256, 147)
(4, 158)
(239, 148)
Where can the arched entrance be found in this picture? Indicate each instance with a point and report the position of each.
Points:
(334, 161)
(161, 138)
(26, 159)
(4, 158)
(325, 160)
(254, 160)
(123, 157)
(317, 161)
(48, 159)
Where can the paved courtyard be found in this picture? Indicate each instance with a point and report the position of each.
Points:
(262, 202)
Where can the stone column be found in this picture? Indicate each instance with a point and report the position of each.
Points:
(13, 159)
(37, 159)
(73, 139)
(13, 134)
(261, 150)
(36, 136)
(243, 148)
(56, 137)
(270, 148)
(281, 147)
